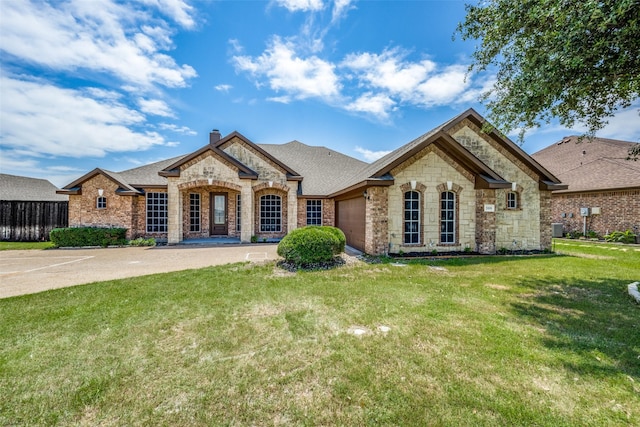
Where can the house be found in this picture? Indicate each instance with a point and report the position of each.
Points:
(452, 188)
(30, 208)
(602, 184)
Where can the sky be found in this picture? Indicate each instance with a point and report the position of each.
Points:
(119, 84)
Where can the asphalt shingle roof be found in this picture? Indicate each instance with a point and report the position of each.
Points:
(588, 166)
(322, 168)
(22, 188)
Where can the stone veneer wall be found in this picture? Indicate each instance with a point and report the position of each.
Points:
(431, 169)
(376, 221)
(619, 211)
(519, 228)
(119, 212)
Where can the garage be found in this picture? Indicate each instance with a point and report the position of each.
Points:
(350, 218)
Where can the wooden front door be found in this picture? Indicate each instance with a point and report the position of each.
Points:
(219, 223)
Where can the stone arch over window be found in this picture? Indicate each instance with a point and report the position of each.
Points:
(449, 209)
(413, 213)
(271, 212)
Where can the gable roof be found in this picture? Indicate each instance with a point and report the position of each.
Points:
(129, 180)
(23, 188)
(378, 172)
(591, 166)
(323, 168)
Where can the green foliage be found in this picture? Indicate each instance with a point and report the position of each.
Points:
(254, 239)
(621, 237)
(14, 246)
(575, 61)
(310, 245)
(140, 241)
(88, 236)
(342, 239)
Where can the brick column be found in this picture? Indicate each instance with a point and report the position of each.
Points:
(485, 222)
(545, 220)
(377, 221)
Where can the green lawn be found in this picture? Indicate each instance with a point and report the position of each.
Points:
(547, 341)
(13, 246)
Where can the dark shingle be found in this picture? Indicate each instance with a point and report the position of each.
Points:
(13, 187)
(588, 166)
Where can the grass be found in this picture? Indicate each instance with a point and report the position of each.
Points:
(14, 246)
(546, 341)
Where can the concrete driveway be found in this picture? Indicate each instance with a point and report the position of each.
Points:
(26, 272)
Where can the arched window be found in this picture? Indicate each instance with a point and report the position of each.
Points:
(270, 213)
(412, 217)
(101, 202)
(447, 217)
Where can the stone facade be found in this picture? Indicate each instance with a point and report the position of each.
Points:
(513, 228)
(432, 171)
(619, 211)
(490, 191)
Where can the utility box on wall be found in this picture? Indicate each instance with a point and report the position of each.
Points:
(584, 211)
(557, 229)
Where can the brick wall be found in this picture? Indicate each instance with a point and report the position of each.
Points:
(328, 212)
(119, 212)
(376, 221)
(486, 222)
(619, 211)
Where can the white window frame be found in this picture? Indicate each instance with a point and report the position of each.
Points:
(412, 214)
(194, 212)
(448, 216)
(157, 217)
(270, 213)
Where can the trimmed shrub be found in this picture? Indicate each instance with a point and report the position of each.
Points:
(88, 236)
(310, 245)
(141, 241)
(342, 239)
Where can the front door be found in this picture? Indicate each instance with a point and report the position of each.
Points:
(218, 214)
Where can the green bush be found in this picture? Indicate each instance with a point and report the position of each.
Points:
(621, 237)
(311, 245)
(141, 241)
(342, 239)
(88, 236)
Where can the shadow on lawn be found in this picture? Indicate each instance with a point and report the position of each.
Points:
(592, 325)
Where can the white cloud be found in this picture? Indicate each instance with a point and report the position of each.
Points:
(223, 88)
(340, 9)
(377, 105)
(156, 107)
(301, 5)
(103, 36)
(371, 156)
(43, 119)
(184, 130)
(178, 10)
(300, 78)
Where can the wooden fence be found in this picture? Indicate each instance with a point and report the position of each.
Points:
(31, 221)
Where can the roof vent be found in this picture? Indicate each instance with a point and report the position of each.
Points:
(214, 136)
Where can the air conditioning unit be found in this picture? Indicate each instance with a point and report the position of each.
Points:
(557, 229)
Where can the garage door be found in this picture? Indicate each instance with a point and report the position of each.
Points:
(350, 219)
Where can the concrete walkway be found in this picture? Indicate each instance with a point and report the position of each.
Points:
(30, 271)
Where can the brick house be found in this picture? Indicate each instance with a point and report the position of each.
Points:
(600, 178)
(452, 188)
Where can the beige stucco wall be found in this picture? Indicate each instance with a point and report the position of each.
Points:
(430, 169)
(521, 225)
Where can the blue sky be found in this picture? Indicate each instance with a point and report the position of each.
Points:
(112, 84)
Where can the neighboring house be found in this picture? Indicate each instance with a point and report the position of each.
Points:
(30, 208)
(452, 188)
(600, 178)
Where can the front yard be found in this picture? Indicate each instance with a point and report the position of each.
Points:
(545, 340)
